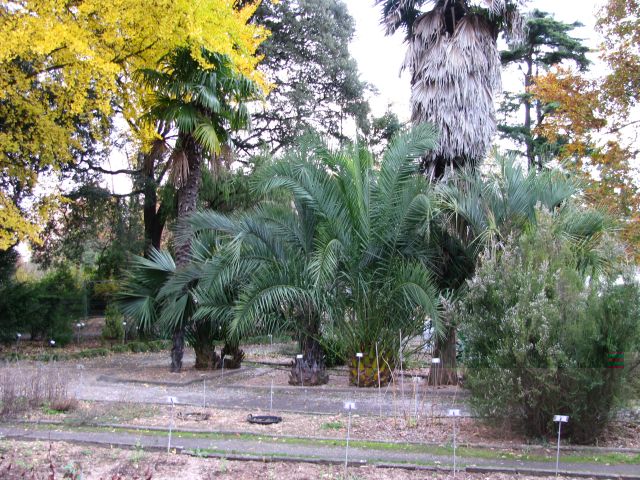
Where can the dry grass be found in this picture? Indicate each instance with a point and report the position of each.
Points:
(23, 389)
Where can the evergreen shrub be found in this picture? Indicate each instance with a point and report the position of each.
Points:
(113, 328)
(540, 329)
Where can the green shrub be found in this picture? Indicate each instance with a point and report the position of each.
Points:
(113, 328)
(335, 350)
(17, 307)
(538, 333)
(47, 308)
(120, 348)
(157, 345)
(137, 347)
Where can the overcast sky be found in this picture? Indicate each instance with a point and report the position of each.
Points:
(380, 57)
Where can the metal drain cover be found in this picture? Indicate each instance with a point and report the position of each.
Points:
(263, 419)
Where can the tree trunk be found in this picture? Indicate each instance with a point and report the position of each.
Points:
(528, 81)
(310, 370)
(233, 356)
(446, 372)
(187, 201)
(364, 373)
(152, 215)
(177, 350)
(204, 347)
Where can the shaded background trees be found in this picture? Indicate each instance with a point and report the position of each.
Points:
(315, 80)
(547, 43)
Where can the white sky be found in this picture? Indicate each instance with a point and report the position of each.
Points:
(380, 57)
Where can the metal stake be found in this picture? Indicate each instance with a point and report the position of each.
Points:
(401, 374)
(379, 384)
(348, 406)
(455, 413)
(299, 362)
(271, 399)
(560, 419)
(172, 401)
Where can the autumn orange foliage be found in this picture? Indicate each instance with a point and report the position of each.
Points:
(581, 116)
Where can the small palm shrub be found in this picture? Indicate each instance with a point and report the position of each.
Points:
(538, 330)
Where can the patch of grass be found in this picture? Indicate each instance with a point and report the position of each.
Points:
(265, 340)
(332, 425)
(437, 450)
(51, 411)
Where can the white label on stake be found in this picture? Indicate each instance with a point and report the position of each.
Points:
(435, 360)
(454, 412)
(299, 356)
(359, 355)
(172, 400)
(349, 405)
(561, 418)
(52, 342)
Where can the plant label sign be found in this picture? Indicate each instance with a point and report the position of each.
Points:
(299, 356)
(435, 360)
(561, 418)
(359, 355)
(453, 412)
(349, 405)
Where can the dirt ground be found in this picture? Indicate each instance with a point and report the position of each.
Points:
(41, 460)
(152, 367)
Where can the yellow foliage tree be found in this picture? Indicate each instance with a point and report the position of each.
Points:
(67, 69)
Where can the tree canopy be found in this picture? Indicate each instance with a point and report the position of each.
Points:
(547, 43)
(67, 71)
(315, 80)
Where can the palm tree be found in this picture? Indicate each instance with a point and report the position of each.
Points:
(157, 295)
(205, 99)
(455, 70)
(348, 251)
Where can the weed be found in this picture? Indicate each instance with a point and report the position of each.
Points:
(137, 454)
(22, 389)
(332, 425)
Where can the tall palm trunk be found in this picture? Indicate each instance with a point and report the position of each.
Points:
(311, 369)
(153, 216)
(446, 373)
(187, 202)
